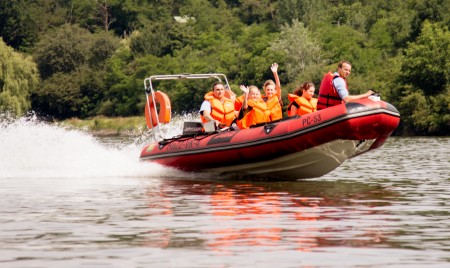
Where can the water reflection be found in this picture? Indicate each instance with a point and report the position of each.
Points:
(98, 206)
(301, 216)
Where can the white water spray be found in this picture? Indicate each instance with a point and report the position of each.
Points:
(29, 148)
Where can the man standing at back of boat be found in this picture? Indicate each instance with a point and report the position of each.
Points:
(217, 107)
(334, 89)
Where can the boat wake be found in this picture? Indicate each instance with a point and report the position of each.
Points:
(29, 148)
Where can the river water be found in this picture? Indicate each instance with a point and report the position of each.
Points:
(69, 199)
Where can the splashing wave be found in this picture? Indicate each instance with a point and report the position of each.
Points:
(29, 148)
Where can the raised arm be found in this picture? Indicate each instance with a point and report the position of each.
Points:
(274, 69)
(244, 102)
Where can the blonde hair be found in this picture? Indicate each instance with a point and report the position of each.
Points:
(267, 83)
(253, 87)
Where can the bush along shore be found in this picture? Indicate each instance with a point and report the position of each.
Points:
(107, 126)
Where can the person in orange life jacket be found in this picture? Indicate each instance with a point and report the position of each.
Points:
(302, 101)
(216, 107)
(334, 90)
(254, 109)
(272, 92)
(238, 103)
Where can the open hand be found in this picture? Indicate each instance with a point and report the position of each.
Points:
(274, 67)
(244, 88)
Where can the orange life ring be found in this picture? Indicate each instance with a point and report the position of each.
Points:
(165, 110)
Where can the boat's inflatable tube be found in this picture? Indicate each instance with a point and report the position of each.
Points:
(293, 148)
(165, 110)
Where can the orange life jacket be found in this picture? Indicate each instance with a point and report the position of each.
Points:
(259, 113)
(273, 104)
(238, 102)
(222, 112)
(304, 106)
(328, 95)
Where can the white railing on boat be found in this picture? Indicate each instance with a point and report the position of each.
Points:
(150, 92)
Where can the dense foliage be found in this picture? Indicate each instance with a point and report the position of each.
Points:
(92, 56)
(18, 78)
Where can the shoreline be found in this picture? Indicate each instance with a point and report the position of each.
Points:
(101, 126)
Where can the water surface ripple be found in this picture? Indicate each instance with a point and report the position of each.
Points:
(387, 208)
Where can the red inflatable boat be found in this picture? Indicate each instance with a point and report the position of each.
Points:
(293, 148)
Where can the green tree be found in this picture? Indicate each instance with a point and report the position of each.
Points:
(439, 121)
(122, 94)
(415, 111)
(133, 15)
(380, 35)
(63, 50)
(16, 26)
(299, 47)
(427, 61)
(73, 63)
(24, 22)
(390, 19)
(353, 15)
(254, 11)
(425, 83)
(104, 46)
(59, 96)
(435, 11)
(424, 115)
(19, 77)
(161, 38)
(392, 47)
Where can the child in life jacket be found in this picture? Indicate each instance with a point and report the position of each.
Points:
(272, 96)
(302, 101)
(272, 92)
(254, 109)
